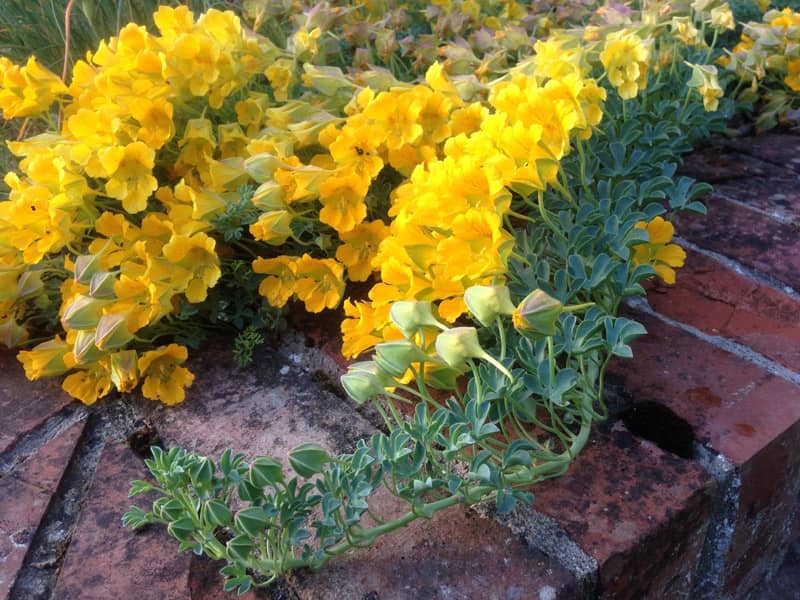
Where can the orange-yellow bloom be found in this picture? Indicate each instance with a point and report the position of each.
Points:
(164, 378)
(658, 252)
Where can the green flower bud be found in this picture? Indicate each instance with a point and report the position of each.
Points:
(365, 380)
(29, 283)
(395, 357)
(112, 331)
(86, 266)
(83, 313)
(486, 302)
(101, 285)
(410, 316)
(442, 378)
(459, 344)
(84, 348)
(537, 314)
(11, 333)
(124, 370)
(262, 167)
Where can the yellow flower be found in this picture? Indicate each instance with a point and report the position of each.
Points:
(396, 113)
(156, 125)
(130, 170)
(360, 248)
(704, 80)
(792, 79)
(365, 326)
(356, 147)
(722, 17)
(342, 198)
(164, 378)
(46, 359)
(89, 383)
(304, 43)
(273, 227)
(658, 252)
(320, 282)
(195, 254)
(625, 58)
(29, 90)
(279, 286)
(250, 112)
(281, 76)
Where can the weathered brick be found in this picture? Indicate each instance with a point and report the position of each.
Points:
(781, 149)
(718, 162)
(24, 497)
(106, 560)
(24, 405)
(642, 513)
(775, 194)
(743, 412)
(718, 301)
(753, 238)
(457, 555)
(274, 407)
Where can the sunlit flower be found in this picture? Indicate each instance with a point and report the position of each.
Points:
(658, 252)
(164, 378)
(360, 248)
(626, 57)
(320, 282)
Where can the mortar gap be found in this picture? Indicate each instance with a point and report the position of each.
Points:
(658, 423)
(39, 572)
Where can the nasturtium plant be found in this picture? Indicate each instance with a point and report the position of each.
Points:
(502, 176)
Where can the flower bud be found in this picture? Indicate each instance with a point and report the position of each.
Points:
(396, 357)
(486, 302)
(45, 359)
(84, 349)
(458, 344)
(12, 333)
(29, 283)
(83, 313)
(124, 370)
(273, 227)
(270, 196)
(262, 167)
(101, 285)
(362, 382)
(537, 314)
(86, 266)
(112, 331)
(442, 377)
(409, 316)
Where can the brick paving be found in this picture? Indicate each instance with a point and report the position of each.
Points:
(690, 490)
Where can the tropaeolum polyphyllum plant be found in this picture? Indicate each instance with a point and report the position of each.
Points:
(502, 203)
(502, 269)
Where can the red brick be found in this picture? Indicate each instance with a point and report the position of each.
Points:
(267, 409)
(642, 513)
(718, 301)
(24, 405)
(776, 194)
(106, 560)
(778, 148)
(743, 412)
(763, 528)
(271, 409)
(752, 238)
(718, 163)
(24, 497)
(457, 555)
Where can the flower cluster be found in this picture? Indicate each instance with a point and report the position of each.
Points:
(768, 59)
(292, 160)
